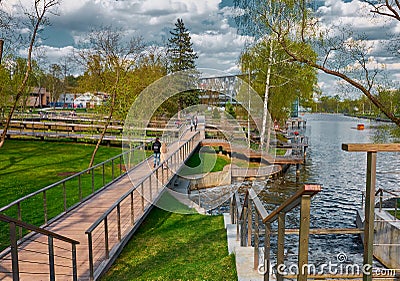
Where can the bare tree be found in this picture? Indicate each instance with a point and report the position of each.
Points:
(37, 18)
(107, 60)
(341, 53)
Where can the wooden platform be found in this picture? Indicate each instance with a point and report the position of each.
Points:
(251, 154)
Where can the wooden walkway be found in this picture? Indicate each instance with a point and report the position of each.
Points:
(33, 254)
(251, 154)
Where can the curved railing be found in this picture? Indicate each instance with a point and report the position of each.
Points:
(45, 205)
(113, 229)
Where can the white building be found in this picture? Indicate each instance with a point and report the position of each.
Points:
(87, 100)
(65, 100)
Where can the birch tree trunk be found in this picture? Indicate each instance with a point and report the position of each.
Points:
(265, 124)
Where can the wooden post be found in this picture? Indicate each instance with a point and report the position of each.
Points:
(256, 240)
(132, 210)
(243, 228)
(281, 243)
(91, 266)
(74, 264)
(303, 237)
(106, 242)
(267, 250)
(369, 204)
(249, 222)
(14, 251)
(369, 214)
(51, 258)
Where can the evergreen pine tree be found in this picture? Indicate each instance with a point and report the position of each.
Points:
(180, 51)
(181, 57)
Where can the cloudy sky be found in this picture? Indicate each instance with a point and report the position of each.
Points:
(212, 29)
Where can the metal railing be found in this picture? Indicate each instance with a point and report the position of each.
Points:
(60, 197)
(242, 216)
(55, 250)
(114, 228)
(385, 197)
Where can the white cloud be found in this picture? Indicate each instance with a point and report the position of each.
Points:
(210, 26)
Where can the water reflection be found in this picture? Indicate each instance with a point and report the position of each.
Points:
(342, 175)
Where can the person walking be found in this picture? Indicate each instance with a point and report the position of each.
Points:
(164, 151)
(195, 123)
(157, 151)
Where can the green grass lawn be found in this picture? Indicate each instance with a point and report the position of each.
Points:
(397, 214)
(27, 166)
(205, 162)
(171, 246)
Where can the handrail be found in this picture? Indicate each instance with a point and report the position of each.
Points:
(30, 227)
(107, 212)
(123, 229)
(12, 252)
(247, 226)
(381, 190)
(293, 201)
(4, 208)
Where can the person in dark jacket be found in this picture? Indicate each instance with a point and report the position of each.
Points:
(157, 151)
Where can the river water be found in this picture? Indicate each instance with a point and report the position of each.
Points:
(342, 176)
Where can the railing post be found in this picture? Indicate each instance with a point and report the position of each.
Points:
(14, 251)
(106, 244)
(150, 189)
(112, 169)
(231, 210)
(119, 221)
(303, 237)
(238, 230)
(120, 164)
(243, 228)
(74, 264)
(369, 214)
(51, 259)
(65, 196)
(281, 244)
(92, 180)
(80, 188)
(142, 195)
(45, 206)
(162, 173)
(90, 247)
(19, 217)
(249, 221)
(104, 177)
(132, 210)
(157, 188)
(256, 240)
(267, 251)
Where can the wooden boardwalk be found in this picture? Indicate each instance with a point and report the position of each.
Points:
(33, 254)
(251, 154)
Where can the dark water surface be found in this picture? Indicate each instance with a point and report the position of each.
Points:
(342, 176)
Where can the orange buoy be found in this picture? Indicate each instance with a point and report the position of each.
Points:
(360, 126)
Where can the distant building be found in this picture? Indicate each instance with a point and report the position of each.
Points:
(38, 97)
(88, 100)
(66, 100)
